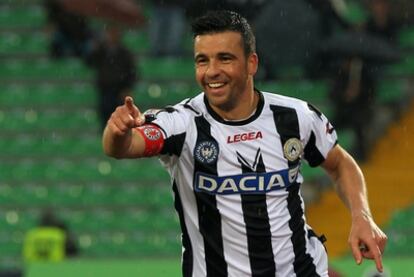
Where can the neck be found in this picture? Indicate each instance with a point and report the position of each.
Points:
(244, 109)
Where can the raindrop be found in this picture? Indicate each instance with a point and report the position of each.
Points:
(104, 167)
(85, 241)
(154, 91)
(30, 116)
(12, 217)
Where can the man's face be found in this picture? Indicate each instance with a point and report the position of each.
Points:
(222, 68)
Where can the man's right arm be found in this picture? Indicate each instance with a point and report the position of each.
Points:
(120, 140)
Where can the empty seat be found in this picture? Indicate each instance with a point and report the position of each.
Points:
(43, 69)
(29, 16)
(406, 37)
(391, 91)
(136, 41)
(23, 43)
(312, 91)
(403, 68)
(168, 69)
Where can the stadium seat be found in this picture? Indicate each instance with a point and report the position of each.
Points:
(14, 220)
(46, 95)
(10, 249)
(136, 41)
(403, 68)
(166, 69)
(14, 43)
(406, 37)
(18, 16)
(43, 69)
(390, 91)
(399, 230)
(311, 91)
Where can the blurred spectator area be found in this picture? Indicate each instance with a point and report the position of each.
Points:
(50, 148)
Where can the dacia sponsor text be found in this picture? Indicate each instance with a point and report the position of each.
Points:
(247, 183)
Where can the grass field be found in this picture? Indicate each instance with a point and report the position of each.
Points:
(395, 267)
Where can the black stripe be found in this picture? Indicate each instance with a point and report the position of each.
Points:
(259, 236)
(187, 256)
(209, 218)
(287, 125)
(303, 263)
(174, 144)
(315, 110)
(312, 154)
(188, 106)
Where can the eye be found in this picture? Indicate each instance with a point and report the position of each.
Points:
(200, 61)
(226, 58)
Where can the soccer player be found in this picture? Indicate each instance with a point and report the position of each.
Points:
(234, 155)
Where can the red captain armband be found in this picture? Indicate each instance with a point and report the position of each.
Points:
(154, 140)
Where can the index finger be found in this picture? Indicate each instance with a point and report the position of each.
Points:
(129, 103)
(375, 251)
(139, 118)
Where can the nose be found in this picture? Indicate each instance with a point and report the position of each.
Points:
(213, 69)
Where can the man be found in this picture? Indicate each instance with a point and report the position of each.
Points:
(234, 153)
(116, 71)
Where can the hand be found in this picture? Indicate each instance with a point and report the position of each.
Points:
(125, 117)
(367, 240)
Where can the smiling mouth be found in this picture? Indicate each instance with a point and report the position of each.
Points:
(215, 85)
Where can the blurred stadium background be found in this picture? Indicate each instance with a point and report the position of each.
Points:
(122, 211)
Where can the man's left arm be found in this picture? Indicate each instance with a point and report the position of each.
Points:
(365, 239)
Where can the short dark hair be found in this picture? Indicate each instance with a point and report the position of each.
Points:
(222, 21)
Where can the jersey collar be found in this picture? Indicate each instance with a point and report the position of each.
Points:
(256, 114)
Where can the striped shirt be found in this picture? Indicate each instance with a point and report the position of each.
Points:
(236, 186)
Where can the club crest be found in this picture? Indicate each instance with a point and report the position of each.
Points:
(292, 149)
(206, 152)
(152, 133)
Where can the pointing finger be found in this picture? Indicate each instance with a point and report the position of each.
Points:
(138, 118)
(373, 252)
(378, 262)
(129, 103)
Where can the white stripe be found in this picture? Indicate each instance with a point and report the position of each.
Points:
(234, 235)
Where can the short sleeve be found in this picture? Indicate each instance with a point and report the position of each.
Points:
(173, 122)
(321, 137)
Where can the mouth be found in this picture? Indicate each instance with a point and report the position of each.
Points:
(215, 86)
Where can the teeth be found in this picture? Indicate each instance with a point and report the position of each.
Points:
(215, 85)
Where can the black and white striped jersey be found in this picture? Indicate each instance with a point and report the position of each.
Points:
(236, 186)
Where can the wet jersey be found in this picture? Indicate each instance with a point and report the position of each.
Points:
(236, 186)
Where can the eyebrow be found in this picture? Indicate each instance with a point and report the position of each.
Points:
(220, 54)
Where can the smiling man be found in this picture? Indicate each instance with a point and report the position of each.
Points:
(234, 154)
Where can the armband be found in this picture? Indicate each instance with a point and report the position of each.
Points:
(154, 140)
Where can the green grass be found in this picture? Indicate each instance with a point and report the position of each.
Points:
(401, 267)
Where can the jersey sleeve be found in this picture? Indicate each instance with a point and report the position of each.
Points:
(321, 137)
(173, 122)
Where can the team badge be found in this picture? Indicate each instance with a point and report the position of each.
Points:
(292, 149)
(152, 133)
(206, 152)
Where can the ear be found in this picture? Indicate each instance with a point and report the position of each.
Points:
(252, 64)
